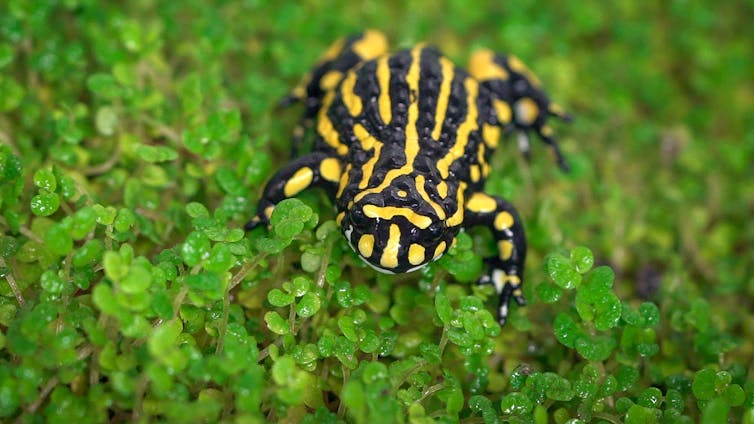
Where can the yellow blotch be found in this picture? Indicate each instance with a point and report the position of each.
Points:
(483, 67)
(447, 70)
(503, 220)
(475, 173)
(383, 79)
(390, 212)
(506, 249)
(333, 51)
(517, 292)
(330, 169)
(325, 127)
(480, 155)
(416, 254)
(368, 167)
(481, 203)
(351, 99)
(439, 250)
(361, 133)
(526, 111)
(367, 143)
(491, 135)
(366, 245)
(556, 110)
(268, 211)
(503, 110)
(442, 189)
(299, 181)
(402, 193)
(343, 180)
(389, 257)
(517, 65)
(547, 131)
(330, 80)
(467, 126)
(457, 218)
(339, 218)
(372, 44)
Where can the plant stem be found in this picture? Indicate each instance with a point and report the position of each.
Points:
(12, 283)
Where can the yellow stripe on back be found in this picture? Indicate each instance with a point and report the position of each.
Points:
(442, 99)
(383, 79)
(412, 135)
(462, 135)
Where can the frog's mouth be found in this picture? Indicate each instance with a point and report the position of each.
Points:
(349, 232)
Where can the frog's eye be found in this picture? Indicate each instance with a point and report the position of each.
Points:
(435, 230)
(357, 218)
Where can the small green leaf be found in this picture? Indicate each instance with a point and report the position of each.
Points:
(196, 248)
(45, 204)
(308, 305)
(704, 384)
(443, 308)
(276, 323)
(51, 282)
(516, 403)
(156, 154)
(562, 272)
(45, 179)
(205, 281)
(137, 280)
(582, 259)
(549, 293)
(58, 240)
(104, 85)
(278, 298)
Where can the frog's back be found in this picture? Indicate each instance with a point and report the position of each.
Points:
(412, 111)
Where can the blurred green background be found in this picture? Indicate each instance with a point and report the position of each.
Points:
(140, 112)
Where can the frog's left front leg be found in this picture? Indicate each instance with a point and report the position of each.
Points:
(506, 270)
(314, 169)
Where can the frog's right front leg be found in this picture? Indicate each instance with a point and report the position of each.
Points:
(317, 169)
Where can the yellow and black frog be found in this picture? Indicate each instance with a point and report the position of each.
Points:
(402, 144)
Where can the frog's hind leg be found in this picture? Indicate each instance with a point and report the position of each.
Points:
(506, 269)
(518, 99)
(342, 56)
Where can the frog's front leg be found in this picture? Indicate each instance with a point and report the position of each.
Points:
(316, 169)
(507, 268)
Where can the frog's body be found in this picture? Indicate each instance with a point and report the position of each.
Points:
(402, 144)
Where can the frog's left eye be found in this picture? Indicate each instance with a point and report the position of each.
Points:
(357, 218)
(435, 230)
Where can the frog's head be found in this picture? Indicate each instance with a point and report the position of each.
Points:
(400, 228)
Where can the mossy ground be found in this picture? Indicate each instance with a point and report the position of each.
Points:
(136, 138)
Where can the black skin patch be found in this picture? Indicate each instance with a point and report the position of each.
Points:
(402, 143)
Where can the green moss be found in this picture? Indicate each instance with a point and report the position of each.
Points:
(135, 143)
